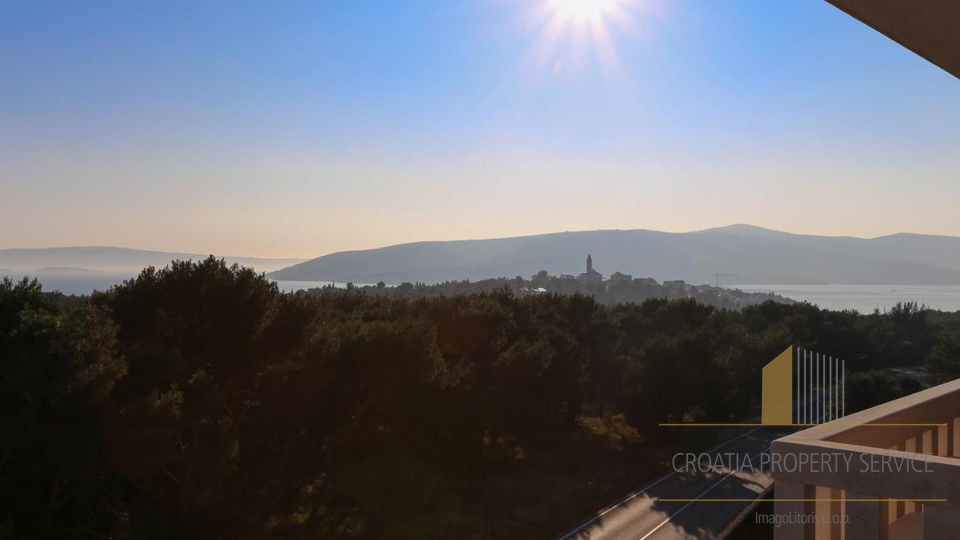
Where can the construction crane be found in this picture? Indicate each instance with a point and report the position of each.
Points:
(723, 275)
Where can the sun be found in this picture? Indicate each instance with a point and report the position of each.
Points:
(573, 33)
(583, 10)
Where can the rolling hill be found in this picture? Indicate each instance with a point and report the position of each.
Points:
(111, 259)
(747, 253)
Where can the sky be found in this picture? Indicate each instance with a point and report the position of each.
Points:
(299, 128)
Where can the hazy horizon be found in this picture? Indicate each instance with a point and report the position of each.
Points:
(219, 253)
(474, 269)
(295, 130)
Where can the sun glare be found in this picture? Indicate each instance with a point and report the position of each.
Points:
(573, 31)
(583, 10)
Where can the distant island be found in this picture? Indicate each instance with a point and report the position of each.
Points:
(619, 288)
(65, 270)
(737, 254)
(117, 260)
(83, 269)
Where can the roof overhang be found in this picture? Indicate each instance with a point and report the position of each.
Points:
(930, 28)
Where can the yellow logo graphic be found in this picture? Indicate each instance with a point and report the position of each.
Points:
(777, 398)
(802, 388)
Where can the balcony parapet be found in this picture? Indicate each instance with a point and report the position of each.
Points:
(892, 472)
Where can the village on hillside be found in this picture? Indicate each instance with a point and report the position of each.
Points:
(618, 288)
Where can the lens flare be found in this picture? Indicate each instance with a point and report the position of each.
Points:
(573, 31)
(583, 10)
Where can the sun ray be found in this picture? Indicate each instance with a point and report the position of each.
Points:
(583, 10)
(575, 26)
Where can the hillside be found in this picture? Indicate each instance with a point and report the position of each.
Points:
(111, 259)
(746, 253)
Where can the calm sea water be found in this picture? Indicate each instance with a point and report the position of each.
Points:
(88, 282)
(866, 298)
(863, 298)
(67, 283)
(293, 286)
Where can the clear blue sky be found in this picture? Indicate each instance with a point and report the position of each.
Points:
(283, 128)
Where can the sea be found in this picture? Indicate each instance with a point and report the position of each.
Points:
(862, 298)
(87, 282)
(866, 298)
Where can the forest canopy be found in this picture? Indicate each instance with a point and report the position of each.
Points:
(198, 401)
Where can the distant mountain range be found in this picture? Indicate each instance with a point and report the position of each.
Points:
(112, 260)
(65, 270)
(743, 254)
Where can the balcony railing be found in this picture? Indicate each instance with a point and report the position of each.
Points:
(883, 489)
